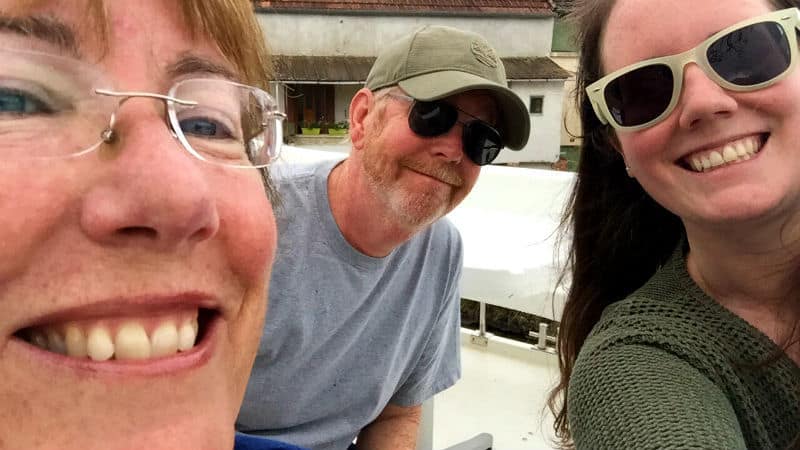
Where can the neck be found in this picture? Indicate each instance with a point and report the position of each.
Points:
(363, 219)
(751, 273)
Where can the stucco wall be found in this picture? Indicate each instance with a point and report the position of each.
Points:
(365, 35)
(544, 143)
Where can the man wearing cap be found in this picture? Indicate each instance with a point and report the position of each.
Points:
(363, 322)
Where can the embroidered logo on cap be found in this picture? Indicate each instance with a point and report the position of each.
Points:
(484, 54)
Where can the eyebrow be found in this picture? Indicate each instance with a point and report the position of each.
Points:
(190, 64)
(44, 28)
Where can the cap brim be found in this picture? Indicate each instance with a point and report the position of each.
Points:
(516, 126)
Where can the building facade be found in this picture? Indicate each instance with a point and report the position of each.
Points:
(323, 51)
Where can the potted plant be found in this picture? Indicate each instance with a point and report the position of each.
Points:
(310, 127)
(339, 128)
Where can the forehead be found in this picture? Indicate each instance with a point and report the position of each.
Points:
(148, 33)
(642, 29)
(87, 24)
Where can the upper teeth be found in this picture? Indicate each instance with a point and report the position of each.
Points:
(735, 151)
(128, 339)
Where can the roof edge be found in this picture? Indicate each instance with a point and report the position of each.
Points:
(402, 13)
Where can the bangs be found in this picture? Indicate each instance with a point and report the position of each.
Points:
(230, 24)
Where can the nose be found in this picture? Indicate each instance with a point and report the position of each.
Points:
(152, 193)
(702, 99)
(449, 146)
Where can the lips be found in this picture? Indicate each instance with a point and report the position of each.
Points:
(445, 173)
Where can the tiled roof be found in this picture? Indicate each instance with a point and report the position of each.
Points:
(471, 7)
(329, 69)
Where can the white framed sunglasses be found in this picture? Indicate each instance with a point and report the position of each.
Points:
(747, 56)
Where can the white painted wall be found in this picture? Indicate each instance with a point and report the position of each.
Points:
(365, 35)
(544, 143)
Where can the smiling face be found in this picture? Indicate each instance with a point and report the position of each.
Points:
(133, 278)
(747, 141)
(421, 179)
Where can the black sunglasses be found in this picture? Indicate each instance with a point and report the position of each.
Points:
(747, 56)
(481, 142)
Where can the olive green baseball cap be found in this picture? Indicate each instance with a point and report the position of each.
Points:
(435, 62)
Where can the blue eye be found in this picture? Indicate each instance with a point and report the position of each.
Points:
(204, 128)
(19, 102)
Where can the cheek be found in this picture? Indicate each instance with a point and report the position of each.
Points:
(781, 103)
(470, 176)
(247, 227)
(33, 206)
(642, 147)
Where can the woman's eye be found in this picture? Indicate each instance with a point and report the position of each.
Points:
(18, 102)
(205, 128)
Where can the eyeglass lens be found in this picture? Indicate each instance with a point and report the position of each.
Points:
(747, 56)
(49, 108)
(480, 142)
(227, 123)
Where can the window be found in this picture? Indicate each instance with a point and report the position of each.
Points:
(537, 104)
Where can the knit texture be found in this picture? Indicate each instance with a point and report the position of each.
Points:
(670, 368)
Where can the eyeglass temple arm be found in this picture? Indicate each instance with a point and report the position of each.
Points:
(597, 111)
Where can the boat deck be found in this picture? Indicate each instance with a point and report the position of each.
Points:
(502, 391)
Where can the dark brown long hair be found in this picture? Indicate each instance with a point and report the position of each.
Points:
(619, 234)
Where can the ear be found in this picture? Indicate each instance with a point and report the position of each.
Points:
(359, 109)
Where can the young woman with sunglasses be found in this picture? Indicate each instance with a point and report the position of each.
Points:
(680, 329)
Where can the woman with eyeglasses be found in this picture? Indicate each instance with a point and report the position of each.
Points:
(681, 325)
(136, 226)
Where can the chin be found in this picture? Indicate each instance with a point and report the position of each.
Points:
(69, 408)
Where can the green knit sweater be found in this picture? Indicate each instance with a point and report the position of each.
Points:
(669, 368)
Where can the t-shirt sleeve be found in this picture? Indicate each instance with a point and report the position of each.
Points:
(642, 397)
(439, 366)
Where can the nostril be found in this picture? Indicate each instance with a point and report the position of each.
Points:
(138, 231)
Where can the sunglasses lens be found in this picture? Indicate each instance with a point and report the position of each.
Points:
(430, 119)
(751, 55)
(482, 143)
(641, 95)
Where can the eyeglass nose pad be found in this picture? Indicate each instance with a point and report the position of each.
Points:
(110, 135)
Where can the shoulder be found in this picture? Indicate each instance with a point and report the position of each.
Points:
(639, 396)
(288, 174)
(300, 185)
(442, 234)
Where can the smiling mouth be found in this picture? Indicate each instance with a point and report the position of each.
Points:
(441, 176)
(733, 152)
(130, 338)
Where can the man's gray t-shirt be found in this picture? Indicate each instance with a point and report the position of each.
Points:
(347, 333)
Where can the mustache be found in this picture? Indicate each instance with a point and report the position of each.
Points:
(446, 173)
